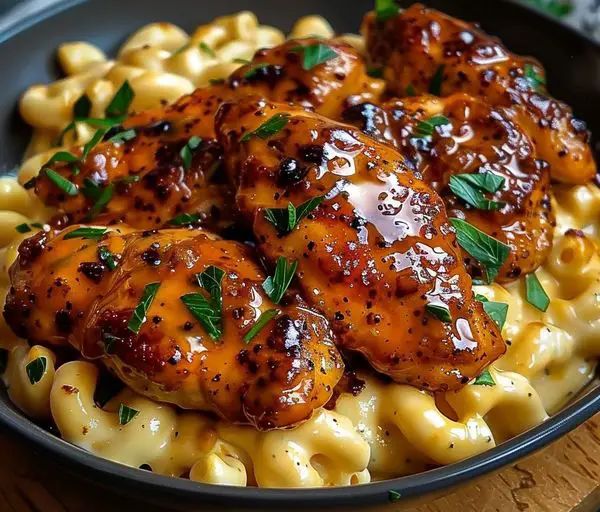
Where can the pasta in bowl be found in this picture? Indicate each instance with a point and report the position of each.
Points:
(382, 419)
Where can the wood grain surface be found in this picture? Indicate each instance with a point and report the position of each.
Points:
(564, 477)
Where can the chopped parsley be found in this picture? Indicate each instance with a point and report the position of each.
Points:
(485, 379)
(184, 219)
(270, 127)
(103, 199)
(497, 311)
(286, 219)
(86, 233)
(425, 129)
(386, 9)
(535, 80)
(375, 72)
(68, 187)
(253, 71)
(107, 257)
(535, 293)
(435, 85)
(410, 90)
(314, 54)
(82, 107)
(187, 151)
(139, 313)
(442, 313)
(277, 285)
(259, 325)
(394, 496)
(123, 136)
(470, 188)
(208, 311)
(126, 414)
(207, 49)
(488, 251)
(121, 101)
(35, 369)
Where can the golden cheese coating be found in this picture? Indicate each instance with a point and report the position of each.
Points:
(461, 134)
(65, 291)
(373, 255)
(425, 50)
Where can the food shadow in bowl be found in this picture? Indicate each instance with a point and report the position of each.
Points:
(27, 49)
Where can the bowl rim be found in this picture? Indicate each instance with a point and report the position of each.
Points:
(119, 477)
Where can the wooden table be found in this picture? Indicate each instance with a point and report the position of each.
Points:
(563, 477)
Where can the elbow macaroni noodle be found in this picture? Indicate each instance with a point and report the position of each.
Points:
(385, 431)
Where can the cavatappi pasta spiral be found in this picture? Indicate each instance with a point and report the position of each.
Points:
(386, 430)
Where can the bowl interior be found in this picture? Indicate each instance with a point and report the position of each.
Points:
(27, 52)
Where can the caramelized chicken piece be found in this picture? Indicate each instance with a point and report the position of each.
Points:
(323, 75)
(147, 180)
(54, 282)
(374, 247)
(275, 378)
(461, 135)
(165, 184)
(423, 50)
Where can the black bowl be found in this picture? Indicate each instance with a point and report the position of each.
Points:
(27, 50)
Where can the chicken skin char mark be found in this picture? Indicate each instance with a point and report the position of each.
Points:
(461, 135)
(377, 255)
(165, 186)
(423, 50)
(276, 379)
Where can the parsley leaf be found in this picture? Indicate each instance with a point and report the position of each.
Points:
(101, 202)
(184, 219)
(425, 129)
(86, 233)
(82, 107)
(410, 90)
(23, 228)
(497, 311)
(126, 414)
(121, 101)
(467, 189)
(35, 369)
(394, 496)
(254, 70)
(186, 152)
(270, 127)
(258, 326)
(123, 136)
(314, 54)
(535, 293)
(386, 9)
(68, 187)
(107, 257)
(208, 311)
(286, 219)
(435, 85)
(277, 285)
(485, 379)
(96, 138)
(207, 49)
(488, 251)
(139, 313)
(375, 72)
(535, 80)
(442, 313)
(487, 181)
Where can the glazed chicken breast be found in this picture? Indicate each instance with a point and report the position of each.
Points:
(375, 250)
(163, 163)
(423, 50)
(180, 316)
(480, 161)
